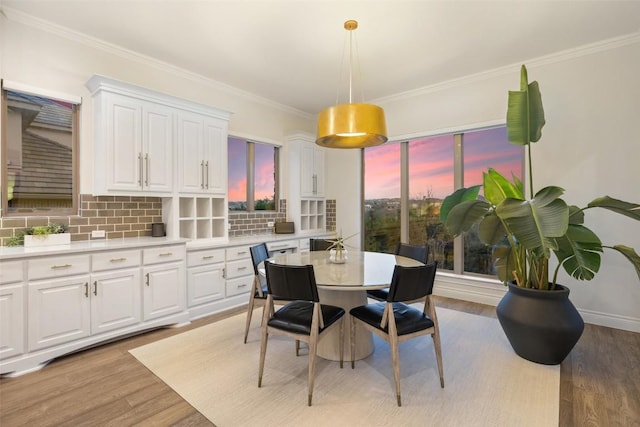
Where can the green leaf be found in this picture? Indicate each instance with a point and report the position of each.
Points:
(579, 252)
(457, 197)
(576, 215)
(462, 216)
(631, 255)
(490, 230)
(537, 222)
(631, 210)
(497, 187)
(525, 113)
(504, 261)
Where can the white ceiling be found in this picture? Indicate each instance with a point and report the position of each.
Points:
(292, 51)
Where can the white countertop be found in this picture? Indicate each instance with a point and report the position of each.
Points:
(16, 252)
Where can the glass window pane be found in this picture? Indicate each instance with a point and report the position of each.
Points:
(39, 145)
(264, 176)
(382, 197)
(483, 149)
(237, 163)
(430, 181)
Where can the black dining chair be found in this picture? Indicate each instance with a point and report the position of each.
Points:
(303, 318)
(396, 322)
(419, 253)
(259, 253)
(319, 244)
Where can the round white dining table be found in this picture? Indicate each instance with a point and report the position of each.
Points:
(345, 285)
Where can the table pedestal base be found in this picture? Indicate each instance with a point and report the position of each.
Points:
(329, 345)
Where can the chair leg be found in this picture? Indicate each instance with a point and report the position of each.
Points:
(313, 348)
(263, 352)
(352, 338)
(393, 342)
(438, 348)
(297, 348)
(341, 342)
(249, 313)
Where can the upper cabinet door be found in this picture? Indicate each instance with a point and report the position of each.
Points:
(202, 158)
(157, 139)
(191, 167)
(215, 140)
(123, 144)
(312, 171)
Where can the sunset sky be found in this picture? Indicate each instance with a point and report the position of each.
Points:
(431, 164)
(264, 166)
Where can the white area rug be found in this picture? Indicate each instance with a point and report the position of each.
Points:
(486, 383)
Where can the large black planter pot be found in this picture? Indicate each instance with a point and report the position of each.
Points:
(542, 326)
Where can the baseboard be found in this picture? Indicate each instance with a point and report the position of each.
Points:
(490, 292)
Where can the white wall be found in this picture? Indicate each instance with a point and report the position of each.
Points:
(57, 60)
(590, 147)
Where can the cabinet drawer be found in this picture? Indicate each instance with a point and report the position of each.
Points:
(240, 252)
(57, 266)
(11, 272)
(239, 285)
(163, 254)
(285, 245)
(205, 257)
(240, 268)
(114, 260)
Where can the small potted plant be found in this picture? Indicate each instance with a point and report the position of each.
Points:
(539, 320)
(46, 235)
(337, 250)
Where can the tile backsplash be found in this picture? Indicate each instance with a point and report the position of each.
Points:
(129, 216)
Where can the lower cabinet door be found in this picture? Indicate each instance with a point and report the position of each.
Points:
(115, 300)
(11, 321)
(59, 311)
(164, 290)
(205, 284)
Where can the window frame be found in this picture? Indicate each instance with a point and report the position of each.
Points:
(76, 103)
(458, 178)
(250, 174)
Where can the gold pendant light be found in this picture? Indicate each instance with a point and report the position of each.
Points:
(352, 125)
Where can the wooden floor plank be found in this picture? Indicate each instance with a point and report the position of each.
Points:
(599, 383)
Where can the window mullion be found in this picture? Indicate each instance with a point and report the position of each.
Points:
(404, 191)
(458, 182)
(251, 155)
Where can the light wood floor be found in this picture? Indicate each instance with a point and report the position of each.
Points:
(599, 384)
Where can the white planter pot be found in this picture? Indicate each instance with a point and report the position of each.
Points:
(47, 240)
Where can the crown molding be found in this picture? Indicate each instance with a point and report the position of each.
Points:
(561, 56)
(67, 33)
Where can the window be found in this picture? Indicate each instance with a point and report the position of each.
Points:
(253, 175)
(39, 153)
(405, 182)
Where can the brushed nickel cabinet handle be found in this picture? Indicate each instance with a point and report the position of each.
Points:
(202, 174)
(207, 175)
(146, 170)
(166, 254)
(208, 257)
(95, 288)
(140, 169)
(147, 279)
(86, 289)
(117, 259)
(58, 267)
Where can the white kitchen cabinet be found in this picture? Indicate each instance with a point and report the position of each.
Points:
(164, 276)
(67, 303)
(59, 311)
(205, 276)
(134, 146)
(312, 170)
(238, 271)
(11, 309)
(115, 290)
(202, 154)
(306, 204)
